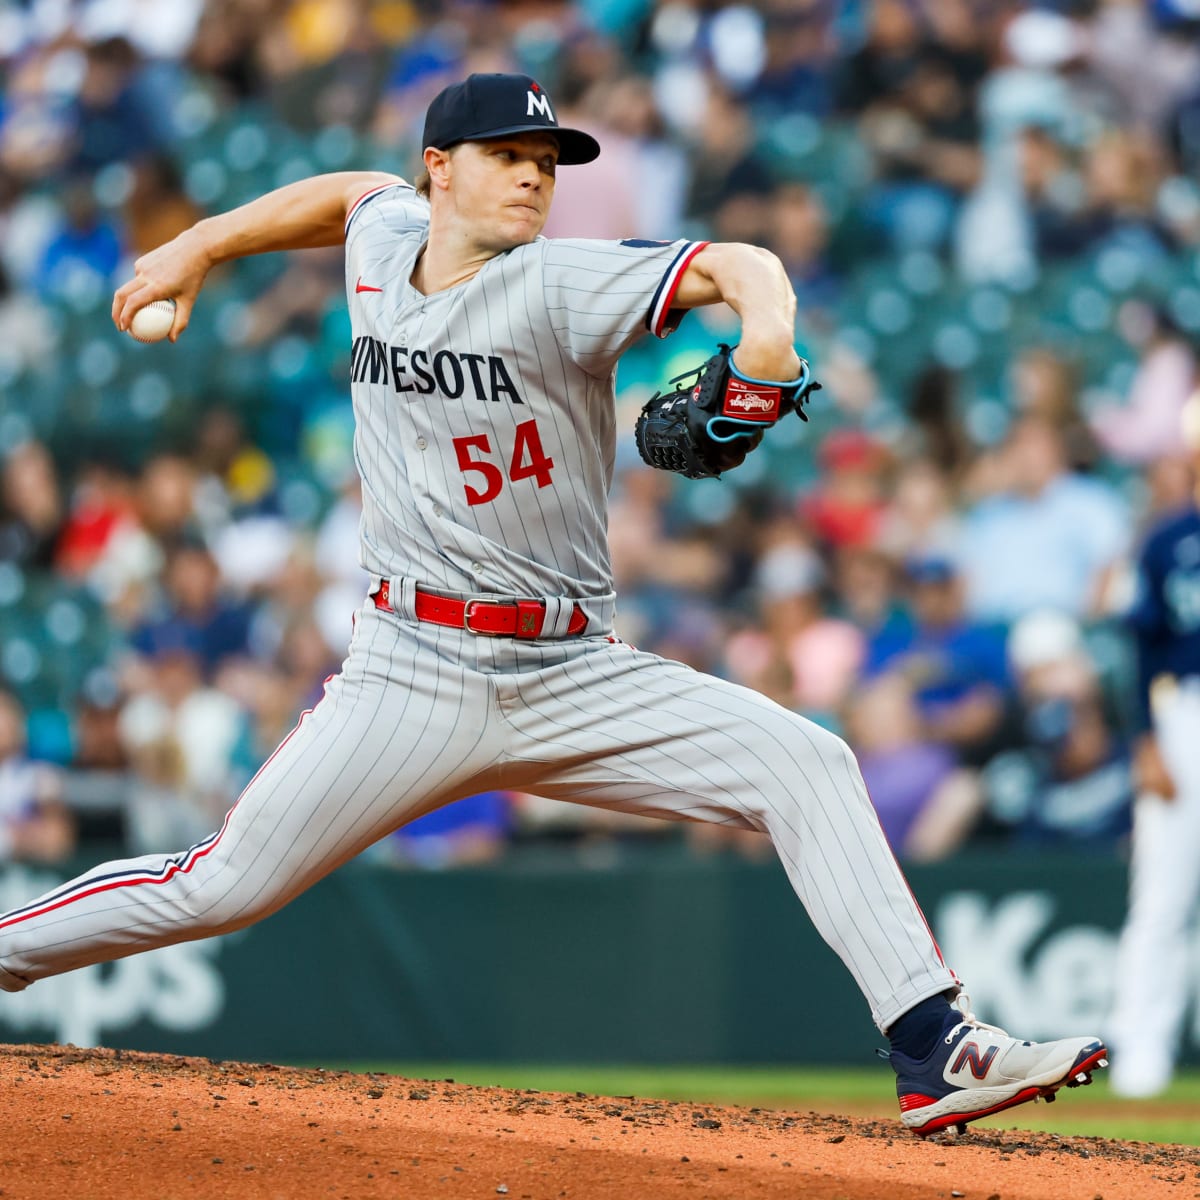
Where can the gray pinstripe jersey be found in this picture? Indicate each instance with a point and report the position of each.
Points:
(484, 413)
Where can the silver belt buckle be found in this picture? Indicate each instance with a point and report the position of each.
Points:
(469, 607)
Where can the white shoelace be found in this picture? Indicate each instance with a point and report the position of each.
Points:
(969, 1020)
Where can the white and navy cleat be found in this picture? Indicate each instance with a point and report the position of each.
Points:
(976, 1070)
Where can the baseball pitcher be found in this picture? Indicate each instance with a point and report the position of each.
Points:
(482, 379)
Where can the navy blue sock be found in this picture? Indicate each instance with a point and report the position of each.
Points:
(916, 1033)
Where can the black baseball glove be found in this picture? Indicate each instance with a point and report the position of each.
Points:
(709, 424)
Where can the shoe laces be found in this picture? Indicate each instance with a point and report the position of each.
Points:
(962, 1002)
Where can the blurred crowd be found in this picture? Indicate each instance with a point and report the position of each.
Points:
(936, 565)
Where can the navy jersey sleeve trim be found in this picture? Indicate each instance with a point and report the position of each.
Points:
(368, 196)
(660, 318)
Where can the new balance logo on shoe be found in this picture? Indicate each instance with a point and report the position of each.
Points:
(969, 1056)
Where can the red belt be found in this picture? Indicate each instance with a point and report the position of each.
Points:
(487, 618)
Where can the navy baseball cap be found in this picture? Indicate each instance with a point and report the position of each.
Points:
(490, 106)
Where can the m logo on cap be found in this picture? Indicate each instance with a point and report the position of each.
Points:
(540, 103)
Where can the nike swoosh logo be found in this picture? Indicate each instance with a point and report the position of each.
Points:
(362, 287)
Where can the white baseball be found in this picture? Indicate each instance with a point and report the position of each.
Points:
(152, 322)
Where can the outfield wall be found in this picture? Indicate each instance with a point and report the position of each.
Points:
(653, 958)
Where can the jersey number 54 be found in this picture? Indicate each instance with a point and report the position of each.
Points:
(528, 461)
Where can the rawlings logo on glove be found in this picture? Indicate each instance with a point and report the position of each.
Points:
(753, 400)
(703, 428)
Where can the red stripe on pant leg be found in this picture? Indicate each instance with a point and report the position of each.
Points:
(908, 887)
(106, 887)
(180, 869)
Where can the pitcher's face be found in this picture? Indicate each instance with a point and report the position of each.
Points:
(501, 188)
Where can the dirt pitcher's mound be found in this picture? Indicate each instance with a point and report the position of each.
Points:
(100, 1124)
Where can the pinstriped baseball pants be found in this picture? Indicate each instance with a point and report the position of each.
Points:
(421, 715)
